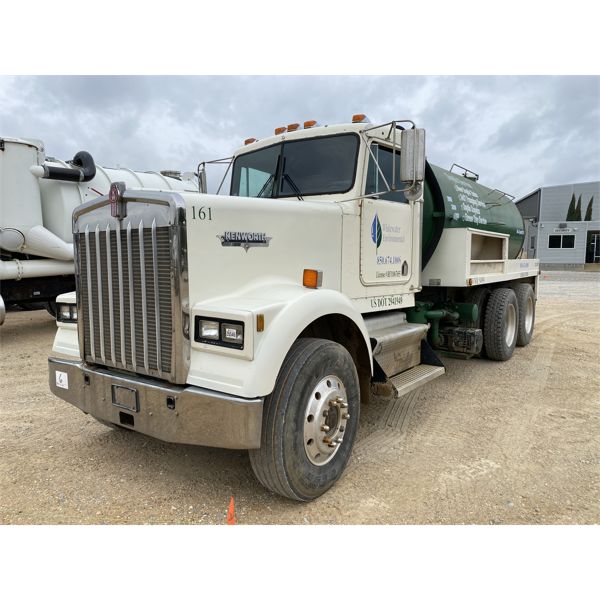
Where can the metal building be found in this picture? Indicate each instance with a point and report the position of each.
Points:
(562, 225)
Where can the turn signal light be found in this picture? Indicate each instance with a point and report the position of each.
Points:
(249, 141)
(311, 278)
(280, 130)
(360, 119)
(293, 127)
(309, 124)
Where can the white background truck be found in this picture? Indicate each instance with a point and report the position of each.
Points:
(261, 319)
(37, 196)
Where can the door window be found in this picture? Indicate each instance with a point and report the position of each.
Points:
(376, 183)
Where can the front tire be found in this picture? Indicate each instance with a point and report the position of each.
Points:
(309, 421)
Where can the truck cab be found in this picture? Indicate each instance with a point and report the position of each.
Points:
(260, 318)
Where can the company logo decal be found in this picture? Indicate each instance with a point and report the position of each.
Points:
(386, 234)
(245, 239)
(376, 233)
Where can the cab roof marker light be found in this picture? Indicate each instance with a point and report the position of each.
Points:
(311, 123)
(293, 126)
(250, 141)
(360, 119)
(280, 130)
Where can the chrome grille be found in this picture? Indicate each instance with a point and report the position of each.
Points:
(125, 287)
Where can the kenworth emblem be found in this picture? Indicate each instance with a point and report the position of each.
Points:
(245, 239)
(118, 206)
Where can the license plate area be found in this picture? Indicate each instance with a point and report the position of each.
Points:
(125, 397)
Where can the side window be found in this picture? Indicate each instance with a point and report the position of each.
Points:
(375, 182)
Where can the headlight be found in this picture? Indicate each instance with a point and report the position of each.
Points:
(220, 332)
(209, 330)
(66, 313)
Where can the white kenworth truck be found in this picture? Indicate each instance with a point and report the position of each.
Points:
(260, 319)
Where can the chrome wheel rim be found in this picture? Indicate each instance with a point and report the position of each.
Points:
(529, 315)
(511, 325)
(325, 420)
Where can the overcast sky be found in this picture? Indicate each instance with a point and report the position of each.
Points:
(518, 133)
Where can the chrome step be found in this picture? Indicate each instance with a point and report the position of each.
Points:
(396, 343)
(416, 377)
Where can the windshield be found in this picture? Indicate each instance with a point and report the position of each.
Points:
(324, 165)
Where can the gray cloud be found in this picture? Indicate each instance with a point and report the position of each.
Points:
(519, 133)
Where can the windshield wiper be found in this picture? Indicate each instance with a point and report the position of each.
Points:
(293, 186)
(265, 186)
(270, 180)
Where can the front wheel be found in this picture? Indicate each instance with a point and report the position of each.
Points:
(309, 421)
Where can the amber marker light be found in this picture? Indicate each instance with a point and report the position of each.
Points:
(311, 278)
(293, 126)
(249, 141)
(309, 124)
(280, 130)
(260, 322)
(360, 119)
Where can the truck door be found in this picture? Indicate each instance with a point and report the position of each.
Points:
(386, 248)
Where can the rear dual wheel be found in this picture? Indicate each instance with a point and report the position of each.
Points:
(309, 421)
(526, 302)
(509, 320)
(500, 324)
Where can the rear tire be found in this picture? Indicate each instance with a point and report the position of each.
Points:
(316, 398)
(526, 302)
(501, 324)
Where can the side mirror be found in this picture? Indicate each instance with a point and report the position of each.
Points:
(412, 155)
(202, 178)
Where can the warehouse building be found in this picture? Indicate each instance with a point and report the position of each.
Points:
(562, 225)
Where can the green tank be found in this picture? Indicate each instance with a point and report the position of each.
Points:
(451, 200)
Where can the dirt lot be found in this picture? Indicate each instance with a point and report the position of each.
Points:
(514, 442)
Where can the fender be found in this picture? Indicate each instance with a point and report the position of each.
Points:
(288, 310)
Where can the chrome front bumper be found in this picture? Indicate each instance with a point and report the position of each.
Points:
(185, 415)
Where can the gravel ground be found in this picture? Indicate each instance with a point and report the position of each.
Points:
(514, 442)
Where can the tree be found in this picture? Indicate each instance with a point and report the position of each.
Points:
(571, 211)
(588, 211)
(577, 216)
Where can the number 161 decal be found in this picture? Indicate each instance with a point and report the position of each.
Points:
(202, 213)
